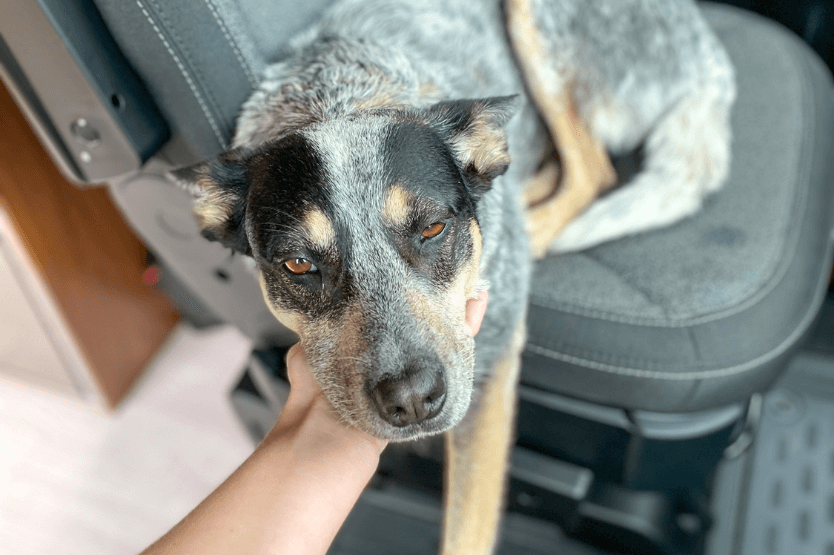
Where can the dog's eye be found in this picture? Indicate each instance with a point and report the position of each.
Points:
(433, 230)
(300, 266)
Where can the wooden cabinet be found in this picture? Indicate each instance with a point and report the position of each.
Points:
(75, 314)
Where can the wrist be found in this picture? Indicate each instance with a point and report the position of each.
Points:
(316, 439)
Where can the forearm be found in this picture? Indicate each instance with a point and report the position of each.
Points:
(290, 496)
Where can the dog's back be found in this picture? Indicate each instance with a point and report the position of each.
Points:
(399, 52)
(642, 73)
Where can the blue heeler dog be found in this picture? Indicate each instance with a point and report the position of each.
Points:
(372, 184)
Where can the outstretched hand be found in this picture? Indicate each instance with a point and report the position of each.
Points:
(313, 422)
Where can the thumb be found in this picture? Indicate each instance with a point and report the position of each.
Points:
(475, 310)
(303, 386)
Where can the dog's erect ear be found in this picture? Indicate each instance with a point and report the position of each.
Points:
(475, 131)
(220, 187)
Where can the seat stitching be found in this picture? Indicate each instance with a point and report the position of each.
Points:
(185, 74)
(244, 64)
(781, 348)
(183, 49)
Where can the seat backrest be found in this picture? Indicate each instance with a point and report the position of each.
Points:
(107, 83)
(201, 59)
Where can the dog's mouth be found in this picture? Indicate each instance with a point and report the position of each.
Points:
(426, 396)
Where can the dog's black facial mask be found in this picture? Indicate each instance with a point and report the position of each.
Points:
(473, 129)
(379, 209)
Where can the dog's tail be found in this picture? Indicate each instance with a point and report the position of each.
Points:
(686, 156)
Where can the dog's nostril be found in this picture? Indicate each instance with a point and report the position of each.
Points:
(405, 400)
(438, 390)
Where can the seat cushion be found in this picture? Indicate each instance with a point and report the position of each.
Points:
(705, 312)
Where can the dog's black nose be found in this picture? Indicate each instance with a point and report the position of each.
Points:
(411, 397)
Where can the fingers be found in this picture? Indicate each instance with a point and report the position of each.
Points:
(303, 386)
(475, 310)
(296, 364)
(307, 406)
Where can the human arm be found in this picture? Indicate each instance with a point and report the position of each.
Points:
(295, 491)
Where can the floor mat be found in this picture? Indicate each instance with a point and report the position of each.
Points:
(790, 488)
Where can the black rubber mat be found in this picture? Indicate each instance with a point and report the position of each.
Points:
(789, 508)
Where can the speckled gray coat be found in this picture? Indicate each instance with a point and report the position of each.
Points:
(641, 71)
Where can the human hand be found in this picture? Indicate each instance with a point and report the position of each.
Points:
(301, 482)
(307, 413)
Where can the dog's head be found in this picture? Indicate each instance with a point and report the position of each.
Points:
(365, 233)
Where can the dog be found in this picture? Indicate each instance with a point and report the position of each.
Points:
(399, 158)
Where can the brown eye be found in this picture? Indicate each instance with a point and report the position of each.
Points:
(299, 265)
(433, 230)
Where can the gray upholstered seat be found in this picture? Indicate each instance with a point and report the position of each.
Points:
(706, 312)
(684, 318)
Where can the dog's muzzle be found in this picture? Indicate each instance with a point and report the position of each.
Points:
(415, 395)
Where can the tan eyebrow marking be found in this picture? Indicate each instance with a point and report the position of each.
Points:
(319, 228)
(397, 205)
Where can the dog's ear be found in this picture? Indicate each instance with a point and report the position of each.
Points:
(475, 131)
(220, 188)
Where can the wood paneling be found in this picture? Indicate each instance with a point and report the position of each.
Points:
(88, 256)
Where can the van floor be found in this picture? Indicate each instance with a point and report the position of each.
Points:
(76, 479)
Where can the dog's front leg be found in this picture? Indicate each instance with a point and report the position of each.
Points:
(478, 452)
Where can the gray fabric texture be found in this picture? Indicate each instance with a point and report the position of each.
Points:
(705, 312)
(201, 59)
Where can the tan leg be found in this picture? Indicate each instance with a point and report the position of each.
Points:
(586, 168)
(586, 172)
(478, 453)
(542, 186)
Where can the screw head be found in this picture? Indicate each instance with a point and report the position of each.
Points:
(87, 135)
